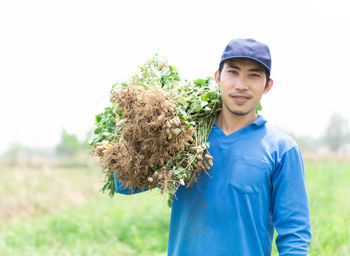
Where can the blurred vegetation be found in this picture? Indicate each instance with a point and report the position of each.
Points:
(70, 145)
(69, 152)
(307, 143)
(335, 139)
(337, 133)
(17, 153)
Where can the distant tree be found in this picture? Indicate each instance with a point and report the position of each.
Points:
(305, 142)
(13, 153)
(337, 132)
(308, 144)
(69, 144)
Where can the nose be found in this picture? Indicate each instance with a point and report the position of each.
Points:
(241, 84)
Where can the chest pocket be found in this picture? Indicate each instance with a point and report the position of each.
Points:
(248, 176)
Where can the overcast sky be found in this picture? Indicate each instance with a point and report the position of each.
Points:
(58, 59)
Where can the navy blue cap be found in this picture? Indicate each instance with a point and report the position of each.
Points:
(248, 49)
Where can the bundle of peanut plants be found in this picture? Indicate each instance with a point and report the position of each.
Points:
(154, 132)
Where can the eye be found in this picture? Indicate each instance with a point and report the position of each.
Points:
(255, 75)
(232, 71)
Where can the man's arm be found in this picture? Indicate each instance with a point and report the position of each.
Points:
(119, 189)
(291, 213)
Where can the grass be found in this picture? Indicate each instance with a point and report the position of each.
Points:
(103, 226)
(329, 195)
(138, 224)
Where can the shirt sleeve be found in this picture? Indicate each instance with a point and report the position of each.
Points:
(291, 214)
(120, 190)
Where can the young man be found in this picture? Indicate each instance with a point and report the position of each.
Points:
(257, 181)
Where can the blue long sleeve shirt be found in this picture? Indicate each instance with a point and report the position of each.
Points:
(255, 185)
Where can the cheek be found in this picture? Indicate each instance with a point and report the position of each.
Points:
(259, 88)
(226, 84)
(224, 90)
(224, 94)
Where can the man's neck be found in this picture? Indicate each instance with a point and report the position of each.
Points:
(230, 123)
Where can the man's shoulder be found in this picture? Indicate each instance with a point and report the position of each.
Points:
(278, 138)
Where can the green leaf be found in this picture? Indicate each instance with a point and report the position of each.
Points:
(110, 123)
(204, 103)
(98, 130)
(196, 107)
(259, 107)
(200, 82)
(98, 118)
(188, 174)
(95, 140)
(176, 171)
(182, 115)
(206, 96)
(207, 109)
(191, 124)
(182, 101)
(170, 202)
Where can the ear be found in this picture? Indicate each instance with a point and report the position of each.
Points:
(217, 77)
(268, 86)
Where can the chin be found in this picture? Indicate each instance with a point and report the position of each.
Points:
(244, 110)
(239, 113)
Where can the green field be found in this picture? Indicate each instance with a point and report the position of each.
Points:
(51, 211)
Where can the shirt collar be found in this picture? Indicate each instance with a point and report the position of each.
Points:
(259, 122)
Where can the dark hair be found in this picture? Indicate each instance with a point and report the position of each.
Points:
(267, 73)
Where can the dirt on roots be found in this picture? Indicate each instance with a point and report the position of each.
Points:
(151, 135)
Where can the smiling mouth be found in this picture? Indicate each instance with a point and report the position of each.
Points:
(240, 98)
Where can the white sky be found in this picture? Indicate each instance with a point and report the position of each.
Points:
(58, 59)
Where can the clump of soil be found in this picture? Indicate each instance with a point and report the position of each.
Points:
(152, 135)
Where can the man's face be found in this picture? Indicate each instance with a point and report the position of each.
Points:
(242, 83)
